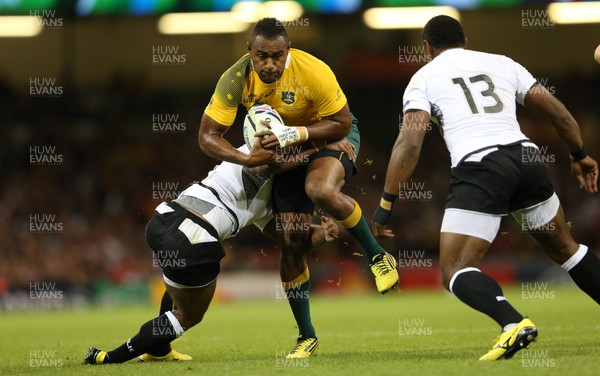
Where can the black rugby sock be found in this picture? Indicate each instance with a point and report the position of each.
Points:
(156, 332)
(480, 292)
(166, 304)
(586, 273)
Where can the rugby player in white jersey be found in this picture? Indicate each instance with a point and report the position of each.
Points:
(472, 97)
(185, 236)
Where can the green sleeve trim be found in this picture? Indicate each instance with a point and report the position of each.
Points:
(231, 84)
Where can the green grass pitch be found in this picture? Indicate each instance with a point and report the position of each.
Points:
(408, 333)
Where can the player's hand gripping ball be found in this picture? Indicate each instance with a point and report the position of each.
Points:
(253, 121)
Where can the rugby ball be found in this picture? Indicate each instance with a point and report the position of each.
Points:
(252, 122)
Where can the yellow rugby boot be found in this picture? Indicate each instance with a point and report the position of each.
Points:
(305, 347)
(383, 266)
(512, 340)
(172, 356)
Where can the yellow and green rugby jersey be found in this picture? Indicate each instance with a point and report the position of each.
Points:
(306, 92)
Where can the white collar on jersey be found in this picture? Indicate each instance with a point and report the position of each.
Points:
(287, 60)
(452, 50)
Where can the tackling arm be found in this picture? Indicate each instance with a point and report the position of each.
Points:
(323, 233)
(319, 233)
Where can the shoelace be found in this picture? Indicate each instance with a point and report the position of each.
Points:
(381, 266)
(502, 345)
(301, 342)
(296, 348)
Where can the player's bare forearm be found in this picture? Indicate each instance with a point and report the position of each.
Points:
(404, 159)
(217, 147)
(406, 150)
(540, 101)
(212, 143)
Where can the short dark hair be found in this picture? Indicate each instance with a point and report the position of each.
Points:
(269, 28)
(444, 32)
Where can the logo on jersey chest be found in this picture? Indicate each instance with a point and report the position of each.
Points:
(288, 97)
(250, 98)
(253, 98)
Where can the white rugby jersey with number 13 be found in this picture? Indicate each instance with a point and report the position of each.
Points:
(472, 96)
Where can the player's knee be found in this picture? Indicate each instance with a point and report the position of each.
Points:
(321, 193)
(293, 254)
(295, 242)
(293, 251)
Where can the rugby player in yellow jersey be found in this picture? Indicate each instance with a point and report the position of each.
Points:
(305, 92)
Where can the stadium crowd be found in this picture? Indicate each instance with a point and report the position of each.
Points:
(82, 173)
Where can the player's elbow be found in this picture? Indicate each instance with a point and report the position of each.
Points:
(339, 130)
(347, 127)
(342, 124)
(203, 141)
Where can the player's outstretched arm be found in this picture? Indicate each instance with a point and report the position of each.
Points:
(539, 100)
(212, 143)
(403, 161)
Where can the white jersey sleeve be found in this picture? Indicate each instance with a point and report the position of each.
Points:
(524, 81)
(263, 222)
(472, 96)
(415, 95)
